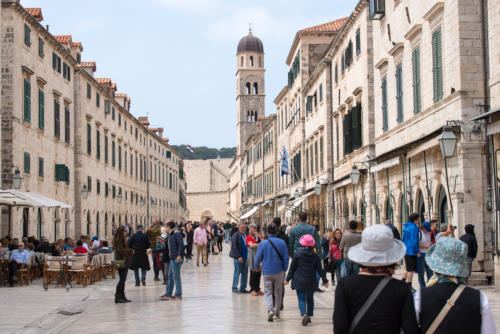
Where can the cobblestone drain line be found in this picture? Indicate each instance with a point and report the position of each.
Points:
(56, 322)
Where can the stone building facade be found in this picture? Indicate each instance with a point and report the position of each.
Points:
(208, 189)
(67, 131)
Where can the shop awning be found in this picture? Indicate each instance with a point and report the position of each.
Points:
(34, 199)
(250, 212)
(10, 199)
(384, 165)
(423, 147)
(295, 203)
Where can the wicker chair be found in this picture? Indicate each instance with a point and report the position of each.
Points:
(109, 267)
(34, 267)
(80, 271)
(23, 274)
(52, 271)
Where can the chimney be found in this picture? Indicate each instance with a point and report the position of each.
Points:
(160, 132)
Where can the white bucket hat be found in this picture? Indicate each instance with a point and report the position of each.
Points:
(377, 248)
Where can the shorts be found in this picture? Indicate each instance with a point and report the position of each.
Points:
(411, 263)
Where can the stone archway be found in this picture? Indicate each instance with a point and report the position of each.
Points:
(206, 214)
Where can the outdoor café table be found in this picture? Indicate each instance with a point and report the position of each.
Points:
(64, 264)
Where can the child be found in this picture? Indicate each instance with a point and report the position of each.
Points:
(305, 264)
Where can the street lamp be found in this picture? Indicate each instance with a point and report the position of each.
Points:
(297, 193)
(317, 188)
(85, 191)
(17, 179)
(355, 175)
(119, 197)
(447, 142)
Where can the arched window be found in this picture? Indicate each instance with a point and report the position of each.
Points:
(241, 61)
(251, 61)
(255, 88)
(421, 206)
(39, 223)
(248, 116)
(248, 88)
(443, 207)
(255, 117)
(260, 61)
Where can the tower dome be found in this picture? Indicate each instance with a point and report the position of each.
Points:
(250, 43)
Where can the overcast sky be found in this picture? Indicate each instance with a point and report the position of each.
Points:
(176, 58)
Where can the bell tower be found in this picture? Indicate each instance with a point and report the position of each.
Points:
(250, 87)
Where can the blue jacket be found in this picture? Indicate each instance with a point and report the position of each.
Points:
(236, 245)
(300, 230)
(411, 238)
(271, 262)
(175, 244)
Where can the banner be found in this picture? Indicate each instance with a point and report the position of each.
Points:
(284, 162)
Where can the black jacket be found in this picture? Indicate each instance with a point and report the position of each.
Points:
(139, 242)
(470, 240)
(395, 231)
(302, 272)
(235, 251)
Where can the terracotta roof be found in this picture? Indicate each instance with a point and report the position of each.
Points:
(77, 45)
(103, 80)
(36, 13)
(113, 86)
(121, 95)
(166, 140)
(63, 39)
(87, 64)
(329, 26)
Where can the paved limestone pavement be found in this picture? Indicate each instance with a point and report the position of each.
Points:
(208, 306)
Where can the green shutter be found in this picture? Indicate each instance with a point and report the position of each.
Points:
(417, 98)
(320, 92)
(40, 167)
(41, 109)
(57, 124)
(385, 119)
(27, 101)
(66, 174)
(399, 92)
(26, 163)
(54, 61)
(437, 65)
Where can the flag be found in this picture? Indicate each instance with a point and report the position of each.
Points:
(189, 149)
(284, 162)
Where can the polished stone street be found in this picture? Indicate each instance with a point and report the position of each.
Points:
(208, 306)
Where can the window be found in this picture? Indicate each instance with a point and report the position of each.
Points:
(248, 88)
(119, 157)
(40, 167)
(119, 119)
(296, 167)
(112, 113)
(106, 160)
(97, 99)
(41, 43)
(399, 92)
(348, 55)
(113, 156)
(57, 121)
(358, 42)
(437, 65)
(307, 171)
(106, 189)
(27, 101)
(66, 72)
(26, 163)
(56, 62)
(316, 157)
(62, 173)
(41, 109)
(67, 121)
(89, 183)
(27, 35)
(321, 166)
(342, 64)
(337, 139)
(417, 98)
(336, 73)
(98, 187)
(89, 91)
(255, 88)
(78, 57)
(377, 9)
(320, 92)
(125, 124)
(351, 126)
(385, 118)
(89, 139)
(251, 61)
(98, 144)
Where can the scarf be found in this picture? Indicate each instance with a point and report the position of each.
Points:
(378, 271)
(438, 278)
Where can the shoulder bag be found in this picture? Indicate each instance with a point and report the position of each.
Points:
(276, 249)
(362, 311)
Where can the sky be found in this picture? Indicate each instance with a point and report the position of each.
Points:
(176, 59)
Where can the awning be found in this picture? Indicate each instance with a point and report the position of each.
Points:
(486, 114)
(423, 147)
(342, 183)
(249, 213)
(35, 199)
(10, 199)
(386, 164)
(301, 199)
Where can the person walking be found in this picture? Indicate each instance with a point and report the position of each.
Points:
(239, 252)
(301, 229)
(469, 238)
(373, 301)
(200, 241)
(446, 305)
(411, 241)
(153, 233)
(325, 245)
(175, 247)
(424, 245)
(220, 237)
(227, 231)
(272, 259)
(161, 246)
(189, 240)
(335, 257)
(252, 240)
(350, 239)
(305, 264)
(122, 255)
(139, 242)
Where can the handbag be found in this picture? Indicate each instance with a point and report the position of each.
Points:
(444, 311)
(276, 249)
(362, 311)
(120, 264)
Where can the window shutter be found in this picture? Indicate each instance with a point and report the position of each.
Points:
(67, 120)
(66, 174)
(56, 119)
(417, 104)
(59, 172)
(41, 109)
(320, 92)
(385, 125)
(89, 139)
(399, 92)
(342, 64)
(356, 127)
(27, 100)
(40, 167)
(437, 65)
(27, 163)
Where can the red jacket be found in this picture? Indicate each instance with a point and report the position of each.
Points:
(335, 251)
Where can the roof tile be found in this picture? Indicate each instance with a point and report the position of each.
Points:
(63, 39)
(329, 26)
(36, 13)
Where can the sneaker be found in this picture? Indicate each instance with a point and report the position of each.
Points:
(165, 297)
(137, 284)
(157, 278)
(270, 316)
(277, 317)
(244, 291)
(143, 282)
(253, 293)
(306, 320)
(260, 293)
(235, 291)
(176, 298)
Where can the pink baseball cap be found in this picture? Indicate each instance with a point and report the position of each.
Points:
(307, 241)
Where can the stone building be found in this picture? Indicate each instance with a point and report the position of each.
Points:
(208, 189)
(78, 143)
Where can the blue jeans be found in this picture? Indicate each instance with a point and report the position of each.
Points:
(174, 277)
(226, 234)
(143, 275)
(423, 269)
(306, 302)
(240, 269)
(350, 268)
